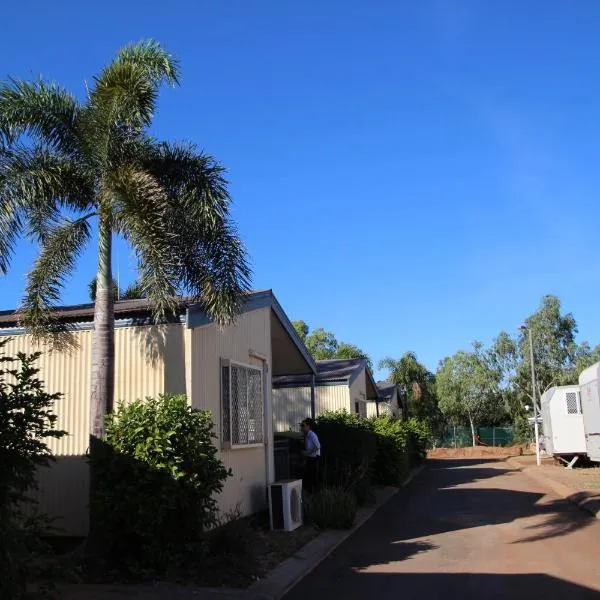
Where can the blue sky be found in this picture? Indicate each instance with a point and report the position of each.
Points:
(411, 176)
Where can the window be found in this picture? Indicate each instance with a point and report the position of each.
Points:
(357, 408)
(241, 404)
(572, 403)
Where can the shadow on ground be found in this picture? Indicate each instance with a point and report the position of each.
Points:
(449, 496)
(433, 586)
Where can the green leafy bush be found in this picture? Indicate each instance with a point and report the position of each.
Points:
(348, 450)
(392, 461)
(420, 440)
(332, 507)
(27, 422)
(157, 473)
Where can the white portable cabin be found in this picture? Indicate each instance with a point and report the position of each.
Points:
(589, 382)
(563, 421)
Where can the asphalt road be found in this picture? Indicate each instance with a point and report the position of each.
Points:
(465, 529)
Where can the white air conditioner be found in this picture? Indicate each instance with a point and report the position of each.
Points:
(285, 504)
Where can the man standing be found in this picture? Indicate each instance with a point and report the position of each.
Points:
(312, 452)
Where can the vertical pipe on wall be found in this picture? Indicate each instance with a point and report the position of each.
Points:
(312, 397)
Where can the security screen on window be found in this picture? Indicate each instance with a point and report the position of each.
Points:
(242, 404)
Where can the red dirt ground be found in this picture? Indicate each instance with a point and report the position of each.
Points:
(475, 452)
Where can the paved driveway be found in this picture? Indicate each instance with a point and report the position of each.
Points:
(465, 529)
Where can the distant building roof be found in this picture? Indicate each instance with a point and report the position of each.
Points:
(337, 370)
(386, 389)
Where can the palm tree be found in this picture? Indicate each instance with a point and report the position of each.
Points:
(412, 380)
(67, 167)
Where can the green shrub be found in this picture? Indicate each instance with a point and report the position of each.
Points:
(332, 508)
(392, 461)
(26, 422)
(348, 450)
(420, 440)
(156, 476)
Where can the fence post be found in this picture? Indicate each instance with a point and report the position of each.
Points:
(493, 437)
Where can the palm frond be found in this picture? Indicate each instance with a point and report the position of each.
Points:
(214, 268)
(123, 100)
(126, 90)
(160, 66)
(213, 261)
(140, 213)
(54, 264)
(36, 182)
(11, 226)
(43, 110)
(196, 179)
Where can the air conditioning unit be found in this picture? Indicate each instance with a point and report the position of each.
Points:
(285, 503)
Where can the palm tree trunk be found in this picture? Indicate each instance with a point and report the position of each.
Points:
(103, 366)
(103, 341)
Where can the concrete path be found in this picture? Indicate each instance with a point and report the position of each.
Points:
(466, 529)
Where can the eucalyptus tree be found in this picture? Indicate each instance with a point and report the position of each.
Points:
(73, 172)
(558, 358)
(323, 345)
(468, 387)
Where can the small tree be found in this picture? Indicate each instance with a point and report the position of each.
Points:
(27, 422)
(468, 388)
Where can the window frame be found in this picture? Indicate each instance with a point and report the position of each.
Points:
(228, 364)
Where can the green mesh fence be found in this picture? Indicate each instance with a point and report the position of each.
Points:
(460, 437)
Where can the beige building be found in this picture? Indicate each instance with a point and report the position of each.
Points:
(390, 399)
(339, 384)
(227, 371)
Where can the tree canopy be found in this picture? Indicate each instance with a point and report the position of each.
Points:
(468, 388)
(416, 386)
(323, 345)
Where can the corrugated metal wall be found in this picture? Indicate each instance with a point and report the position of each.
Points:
(290, 406)
(209, 344)
(372, 409)
(150, 360)
(332, 397)
(147, 362)
(69, 374)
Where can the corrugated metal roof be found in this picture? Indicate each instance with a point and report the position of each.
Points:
(386, 389)
(85, 312)
(327, 371)
(124, 309)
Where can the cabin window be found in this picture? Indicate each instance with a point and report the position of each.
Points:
(242, 404)
(573, 407)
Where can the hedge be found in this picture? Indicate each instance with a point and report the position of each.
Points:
(348, 451)
(357, 453)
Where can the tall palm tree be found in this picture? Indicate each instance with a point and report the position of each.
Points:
(67, 167)
(412, 380)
